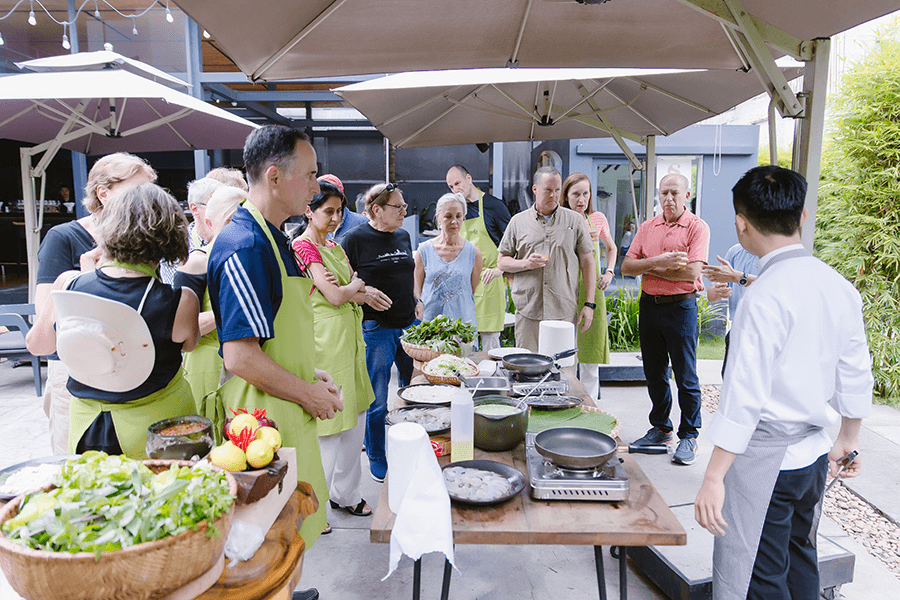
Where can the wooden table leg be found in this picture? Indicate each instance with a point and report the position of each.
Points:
(623, 573)
(445, 585)
(601, 575)
(417, 578)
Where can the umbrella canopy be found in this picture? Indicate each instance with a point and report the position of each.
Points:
(102, 59)
(98, 112)
(319, 38)
(439, 108)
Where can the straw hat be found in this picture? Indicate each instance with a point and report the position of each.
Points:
(105, 344)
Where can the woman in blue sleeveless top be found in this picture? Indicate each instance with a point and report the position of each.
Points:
(448, 268)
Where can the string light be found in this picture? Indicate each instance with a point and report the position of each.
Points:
(66, 42)
(206, 34)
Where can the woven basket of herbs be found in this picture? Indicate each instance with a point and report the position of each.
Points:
(113, 528)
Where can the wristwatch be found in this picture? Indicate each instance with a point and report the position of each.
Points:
(591, 305)
(743, 281)
(419, 300)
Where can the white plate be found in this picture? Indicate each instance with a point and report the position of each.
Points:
(498, 353)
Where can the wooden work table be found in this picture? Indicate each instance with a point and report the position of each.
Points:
(643, 519)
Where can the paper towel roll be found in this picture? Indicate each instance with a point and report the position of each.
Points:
(557, 336)
(404, 442)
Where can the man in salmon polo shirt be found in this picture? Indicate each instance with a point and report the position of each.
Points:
(669, 252)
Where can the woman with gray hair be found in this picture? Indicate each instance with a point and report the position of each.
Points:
(203, 365)
(448, 268)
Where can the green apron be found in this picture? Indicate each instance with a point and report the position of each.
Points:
(131, 419)
(340, 348)
(203, 365)
(490, 299)
(292, 348)
(593, 344)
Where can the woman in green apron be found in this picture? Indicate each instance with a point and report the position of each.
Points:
(593, 344)
(139, 229)
(203, 365)
(490, 298)
(340, 348)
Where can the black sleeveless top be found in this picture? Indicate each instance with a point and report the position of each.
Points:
(159, 314)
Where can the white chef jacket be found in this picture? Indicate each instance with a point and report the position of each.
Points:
(798, 357)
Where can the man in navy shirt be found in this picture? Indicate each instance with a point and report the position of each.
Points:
(262, 337)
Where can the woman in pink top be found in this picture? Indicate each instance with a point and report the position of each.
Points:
(593, 344)
(336, 300)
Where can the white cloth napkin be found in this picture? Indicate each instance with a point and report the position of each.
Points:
(423, 522)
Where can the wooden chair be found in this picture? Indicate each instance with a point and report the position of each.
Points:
(12, 343)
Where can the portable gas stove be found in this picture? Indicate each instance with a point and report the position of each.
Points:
(608, 483)
(520, 384)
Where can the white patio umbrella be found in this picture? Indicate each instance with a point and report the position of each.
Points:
(102, 60)
(98, 112)
(436, 108)
(324, 38)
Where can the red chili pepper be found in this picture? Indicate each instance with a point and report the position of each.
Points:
(242, 439)
(438, 449)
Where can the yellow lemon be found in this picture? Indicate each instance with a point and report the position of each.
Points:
(259, 454)
(229, 457)
(242, 421)
(270, 435)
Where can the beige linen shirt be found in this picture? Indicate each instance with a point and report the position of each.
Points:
(550, 292)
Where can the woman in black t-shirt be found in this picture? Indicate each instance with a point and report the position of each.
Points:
(381, 254)
(142, 226)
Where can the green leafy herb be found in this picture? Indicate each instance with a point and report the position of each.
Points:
(104, 503)
(442, 334)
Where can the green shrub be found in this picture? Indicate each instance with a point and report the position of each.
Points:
(858, 216)
(622, 310)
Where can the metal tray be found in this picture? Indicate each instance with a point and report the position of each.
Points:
(513, 475)
(391, 417)
(47, 460)
(553, 401)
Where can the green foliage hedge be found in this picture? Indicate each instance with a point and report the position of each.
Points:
(858, 216)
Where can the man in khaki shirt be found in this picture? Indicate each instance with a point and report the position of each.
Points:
(544, 246)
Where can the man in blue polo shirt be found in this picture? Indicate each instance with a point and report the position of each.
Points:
(263, 312)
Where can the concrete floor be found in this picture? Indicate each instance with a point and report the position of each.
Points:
(346, 566)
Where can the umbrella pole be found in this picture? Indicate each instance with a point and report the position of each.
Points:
(32, 239)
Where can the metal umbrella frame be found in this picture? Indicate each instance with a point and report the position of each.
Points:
(99, 111)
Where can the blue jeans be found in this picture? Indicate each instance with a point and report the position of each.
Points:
(786, 563)
(382, 350)
(670, 331)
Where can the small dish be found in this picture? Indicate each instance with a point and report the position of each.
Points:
(499, 353)
(513, 475)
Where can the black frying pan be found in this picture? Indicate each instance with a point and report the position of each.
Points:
(575, 447)
(534, 364)
(580, 448)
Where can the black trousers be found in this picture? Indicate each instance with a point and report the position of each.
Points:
(787, 566)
